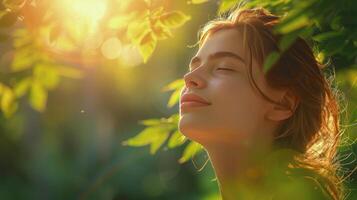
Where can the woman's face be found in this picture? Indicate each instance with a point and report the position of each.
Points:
(219, 74)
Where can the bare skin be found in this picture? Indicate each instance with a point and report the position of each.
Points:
(237, 128)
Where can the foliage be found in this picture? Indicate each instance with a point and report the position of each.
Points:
(49, 44)
(158, 130)
(329, 23)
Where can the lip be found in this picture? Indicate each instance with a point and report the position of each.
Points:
(192, 100)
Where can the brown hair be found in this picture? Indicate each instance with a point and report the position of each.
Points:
(313, 130)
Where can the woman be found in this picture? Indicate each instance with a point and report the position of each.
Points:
(269, 135)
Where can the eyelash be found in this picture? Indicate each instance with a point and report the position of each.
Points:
(227, 69)
(219, 68)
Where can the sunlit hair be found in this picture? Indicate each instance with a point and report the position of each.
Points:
(314, 128)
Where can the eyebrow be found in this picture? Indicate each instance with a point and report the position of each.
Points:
(217, 55)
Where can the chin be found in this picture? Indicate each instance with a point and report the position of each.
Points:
(193, 131)
(186, 129)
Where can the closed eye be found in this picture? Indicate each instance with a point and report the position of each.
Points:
(227, 69)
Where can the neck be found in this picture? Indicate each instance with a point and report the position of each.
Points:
(237, 168)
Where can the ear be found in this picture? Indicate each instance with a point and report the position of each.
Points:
(289, 103)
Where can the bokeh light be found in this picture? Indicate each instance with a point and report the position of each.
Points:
(130, 56)
(111, 48)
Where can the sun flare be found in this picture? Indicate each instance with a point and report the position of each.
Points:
(79, 21)
(87, 10)
(83, 14)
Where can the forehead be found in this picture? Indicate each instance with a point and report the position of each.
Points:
(230, 40)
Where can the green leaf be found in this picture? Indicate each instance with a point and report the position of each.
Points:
(191, 149)
(23, 59)
(151, 122)
(176, 139)
(326, 35)
(8, 102)
(143, 138)
(296, 19)
(197, 1)
(174, 118)
(137, 30)
(155, 136)
(38, 96)
(287, 40)
(21, 38)
(176, 84)
(47, 75)
(161, 32)
(22, 87)
(170, 122)
(174, 98)
(158, 142)
(147, 46)
(295, 24)
(174, 19)
(270, 60)
(157, 12)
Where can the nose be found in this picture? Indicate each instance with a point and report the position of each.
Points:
(194, 80)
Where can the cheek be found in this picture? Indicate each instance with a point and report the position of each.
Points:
(236, 111)
(237, 105)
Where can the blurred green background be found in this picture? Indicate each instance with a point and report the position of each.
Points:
(72, 147)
